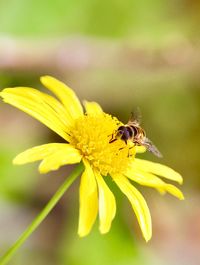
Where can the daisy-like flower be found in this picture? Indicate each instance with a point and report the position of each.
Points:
(87, 135)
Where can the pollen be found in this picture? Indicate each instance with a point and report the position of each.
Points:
(91, 135)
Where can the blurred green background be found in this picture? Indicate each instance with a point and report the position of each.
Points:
(122, 54)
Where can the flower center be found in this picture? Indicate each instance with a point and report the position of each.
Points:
(91, 135)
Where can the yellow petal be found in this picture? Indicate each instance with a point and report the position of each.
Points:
(58, 159)
(92, 107)
(150, 180)
(157, 169)
(107, 205)
(146, 179)
(174, 191)
(54, 155)
(65, 94)
(88, 197)
(138, 203)
(140, 149)
(41, 106)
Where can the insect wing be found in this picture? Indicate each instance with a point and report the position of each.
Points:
(151, 147)
(135, 117)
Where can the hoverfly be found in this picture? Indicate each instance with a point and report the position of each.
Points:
(132, 131)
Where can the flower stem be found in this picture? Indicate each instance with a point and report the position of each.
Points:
(42, 215)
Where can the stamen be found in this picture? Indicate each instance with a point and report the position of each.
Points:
(90, 135)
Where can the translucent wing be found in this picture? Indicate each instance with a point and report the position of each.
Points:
(135, 117)
(151, 147)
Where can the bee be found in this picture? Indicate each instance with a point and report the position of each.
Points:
(132, 131)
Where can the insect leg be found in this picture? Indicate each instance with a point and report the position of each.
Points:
(129, 151)
(113, 139)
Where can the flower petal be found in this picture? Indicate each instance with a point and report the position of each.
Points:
(146, 179)
(157, 169)
(41, 106)
(92, 107)
(174, 191)
(140, 149)
(150, 180)
(107, 205)
(65, 94)
(88, 197)
(138, 203)
(54, 155)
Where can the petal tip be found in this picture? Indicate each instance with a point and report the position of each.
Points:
(148, 238)
(92, 107)
(3, 94)
(174, 191)
(44, 170)
(46, 78)
(82, 233)
(182, 198)
(104, 230)
(147, 233)
(17, 161)
(181, 180)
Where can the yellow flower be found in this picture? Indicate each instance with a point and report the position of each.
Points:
(87, 138)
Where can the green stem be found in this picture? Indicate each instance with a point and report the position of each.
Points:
(37, 221)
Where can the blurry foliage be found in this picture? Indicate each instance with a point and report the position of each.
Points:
(15, 184)
(152, 19)
(115, 248)
(168, 96)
